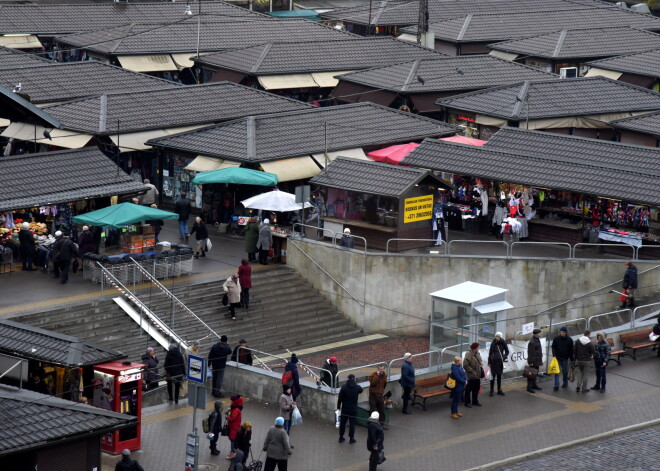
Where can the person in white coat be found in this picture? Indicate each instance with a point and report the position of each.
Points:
(233, 289)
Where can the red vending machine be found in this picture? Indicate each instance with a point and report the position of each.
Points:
(118, 387)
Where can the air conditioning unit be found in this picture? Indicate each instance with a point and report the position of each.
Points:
(568, 72)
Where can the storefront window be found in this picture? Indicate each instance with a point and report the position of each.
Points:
(373, 209)
(176, 180)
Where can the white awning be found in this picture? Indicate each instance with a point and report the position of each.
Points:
(507, 56)
(326, 79)
(151, 63)
(596, 72)
(356, 153)
(4, 122)
(281, 82)
(59, 137)
(490, 121)
(493, 307)
(408, 37)
(295, 168)
(202, 163)
(20, 41)
(136, 141)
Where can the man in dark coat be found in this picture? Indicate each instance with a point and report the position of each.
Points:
(347, 403)
(127, 464)
(630, 284)
(534, 358)
(182, 208)
(346, 240)
(295, 376)
(28, 246)
(175, 371)
(218, 360)
(562, 350)
(329, 376)
(375, 437)
(407, 381)
(244, 356)
(65, 251)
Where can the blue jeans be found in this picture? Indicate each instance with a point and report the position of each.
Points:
(600, 375)
(183, 229)
(455, 399)
(563, 366)
(287, 426)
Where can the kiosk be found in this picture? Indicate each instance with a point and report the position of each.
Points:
(118, 387)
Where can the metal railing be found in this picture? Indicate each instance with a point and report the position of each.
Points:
(356, 368)
(587, 244)
(240, 347)
(302, 234)
(441, 244)
(485, 242)
(527, 244)
(635, 316)
(611, 313)
(430, 353)
(442, 352)
(337, 236)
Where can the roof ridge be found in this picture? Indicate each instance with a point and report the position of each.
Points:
(560, 42)
(466, 24)
(413, 71)
(261, 58)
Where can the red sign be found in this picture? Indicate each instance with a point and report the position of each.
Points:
(466, 118)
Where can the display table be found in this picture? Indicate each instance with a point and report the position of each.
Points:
(629, 239)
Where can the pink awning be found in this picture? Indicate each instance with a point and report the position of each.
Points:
(464, 140)
(393, 154)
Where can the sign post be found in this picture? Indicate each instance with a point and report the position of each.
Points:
(196, 373)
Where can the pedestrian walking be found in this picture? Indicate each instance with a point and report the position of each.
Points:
(215, 426)
(150, 196)
(407, 381)
(562, 350)
(277, 447)
(583, 352)
(346, 240)
(245, 280)
(473, 367)
(602, 352)
(174, 372)
(234, 419)
(201, 234)
(375, 439)
(233, 289)
(497, 355)
(291, 374)
(218, 360)
(458, 373)
(242, 355)
(151, 371)
(287, 404)
(244, 440)
(126, 463)
(251, 238)
(182, 208)
(630, 284)
(534, 358)
(347, 404)
(329, 377)
(377, 383)
(264, 242)
(86, 242)
(64, 251)
(28, 246)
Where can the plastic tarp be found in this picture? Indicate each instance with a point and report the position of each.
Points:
(282, 82)
(327, 79)
(464, 140)
(393, 154)
(275, 200)
(238, 175)
(20, 41)
(202, 163)
(148, 63)
(121, 215)
(408, 37)
(59, 137)
(507, 56)
(294, 168)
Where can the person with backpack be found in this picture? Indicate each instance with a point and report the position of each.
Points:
(215, 426)
(291, 373)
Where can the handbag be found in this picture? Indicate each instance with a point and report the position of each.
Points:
(271, 252)
(553, 368)
(206, 425)
(381, 457)
(482, 374)
(225, 300)
(76, 265)
(209, 245)
(255, 465)
(451, 382)
(225, 429)
(530, 373)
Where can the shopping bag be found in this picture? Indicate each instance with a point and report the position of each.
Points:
(571, 373)
(337, 418)
(553, 368)
(296, 417)
(489, 375)
(209, 245)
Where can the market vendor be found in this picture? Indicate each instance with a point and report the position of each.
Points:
(28, 246)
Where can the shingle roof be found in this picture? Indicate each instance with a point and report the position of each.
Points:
(33, 343)
(68, 80)
(363, 176)
(64, 19)
(25, 413)
(143, 38)
(646, 123)
(60, 177)
(443, 74)
(317, 56)
(641, 159)
(556, 173)
(14, 58)
(500, 27)
(556, 98)
(169, 107)
(583, 43)
(642, 63)
(348, 126)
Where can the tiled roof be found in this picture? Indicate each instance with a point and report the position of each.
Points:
(641, 159)
(556, 98)
(169, 107)
(317, 56)
(33, 343)
(643, 63)
(142, 38)
(500, 27)
(444, 74)
(583, 43)
(25, 413)
(363, 176)
(646, 123)
(64, 19)
(616, 182)
(14, 58)
(347, 126)
(60, 177)
(68, 80)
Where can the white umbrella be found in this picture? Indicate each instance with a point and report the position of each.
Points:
(275, 200)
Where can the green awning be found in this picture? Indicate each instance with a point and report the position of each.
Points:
(241, 176)
(121, 215)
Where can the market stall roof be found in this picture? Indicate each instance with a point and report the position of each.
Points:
(32, 420)
(608, 181)
(375, 178)
(640, 159)
(648, 123)
(14, 58)
(309, 131)
(56, 82)
(241, 176)
(33, 343)
(395, 154)
(275, 200)
(556, 98)
(47, 178)
(121, 215)
(583, 43)
(643, 63)
(202, 163)
(14, 107)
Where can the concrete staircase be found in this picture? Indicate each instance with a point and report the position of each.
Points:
(285, 312)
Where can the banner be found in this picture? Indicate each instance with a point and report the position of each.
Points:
(419, 208)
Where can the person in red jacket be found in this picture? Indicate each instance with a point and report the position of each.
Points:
(234, 420)
(245, 278)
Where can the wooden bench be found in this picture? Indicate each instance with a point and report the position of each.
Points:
(429, 387)
(636, 340)
(618, 352)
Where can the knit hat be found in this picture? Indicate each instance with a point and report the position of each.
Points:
(333, 359)
(347, 231)
(536, 331)
(126, 452)
(242, 341)
(563, 329)
(374, 415)
(279, 421)
(474, 346)
(407, 355)
(266, 221)
(85, 228)
(58, 233)
(294, 358)
(25, 225)
(499, 334)
(223, 338)
(235, 397)
(286, 387)
(195, 343)
(247, 424)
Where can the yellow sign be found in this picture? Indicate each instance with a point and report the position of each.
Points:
(418, 208)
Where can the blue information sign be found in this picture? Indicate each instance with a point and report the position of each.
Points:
(196, 369)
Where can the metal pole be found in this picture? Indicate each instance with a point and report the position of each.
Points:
(194, 426)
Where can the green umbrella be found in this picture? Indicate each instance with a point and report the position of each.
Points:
(121, 215)
(239, 175)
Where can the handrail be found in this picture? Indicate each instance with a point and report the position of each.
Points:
(323, 229)
(442, 243)
(499, 242)
(159, 324)
(355, 368)
(334, 240)
(329, 275)
(603, 245)
(389, 365)
(258, 351)
(442, 352)
(171, 295)
(634, 313)
(513, 244)
(609, 313)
